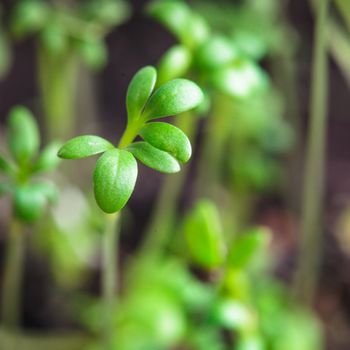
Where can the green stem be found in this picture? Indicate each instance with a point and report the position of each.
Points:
(313, 187)
(110, 276)
(58, 76)
(12, 282)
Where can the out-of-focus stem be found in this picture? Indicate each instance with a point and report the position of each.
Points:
(58, 76)
(110, 276)
(13, 274)
(313, 186)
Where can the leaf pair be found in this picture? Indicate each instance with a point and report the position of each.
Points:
(173, 97)
(24, 142)
(29, 198)
(163, 146)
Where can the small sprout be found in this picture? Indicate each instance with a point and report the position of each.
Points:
(84, 146)
(30, 197)
(168, 138)
(23, 135)
(114, 179)
(204, 236)
(116, 170)
(154, 157)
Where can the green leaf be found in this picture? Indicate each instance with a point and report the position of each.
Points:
(84, 146)
(167, 138)
(5, 166)
(175, 15)
(48, 159)
(174, 97)
(240, 80)
(174, 64)
(154, 158)
(139, 91)
(93, 52)
(187, 26)
(29, 16)
(245, 247)
(23, 134)
(55, 37)
(114, 179)
(204, 236)
(215, 53)
(30, 201)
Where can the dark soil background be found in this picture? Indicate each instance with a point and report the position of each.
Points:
(141, 41)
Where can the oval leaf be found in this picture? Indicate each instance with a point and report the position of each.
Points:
(48, 159)
(174, 64)
(174, 97)
(29, 202)
(168, 138)
(204, 235)
(23, 134)
(154, 158)
(114, 179)
(139, 91)
(84, 146)
(5, 166)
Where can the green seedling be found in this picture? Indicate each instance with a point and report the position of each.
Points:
(23, 173)
(22, 178)
(164, 145)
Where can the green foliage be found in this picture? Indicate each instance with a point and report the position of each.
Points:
(84, 146)
(23, 135)
(174, 97)
(30, 196)
(204, 236)
(114, 179)
(168, 138)
(116, 170)
(154, 157)
(139, 91)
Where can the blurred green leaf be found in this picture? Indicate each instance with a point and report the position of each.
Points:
(173, 97)
(154, 158)
(48, 159)
(114, 179)
(23, 134)
(5, 188)
(167, 138)
(246, 246)
(5, 54)
(5, 166)
(252, 342)
(29, 16)
(29, 202)
(54, 37)
(204, 236)
(174, 64)
(241, 79)
(215, 53)
(84, 146)
(139, 91)
(93, 52)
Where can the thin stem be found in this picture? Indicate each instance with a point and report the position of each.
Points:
(110, 276)
(12, 282)
(313, 189)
